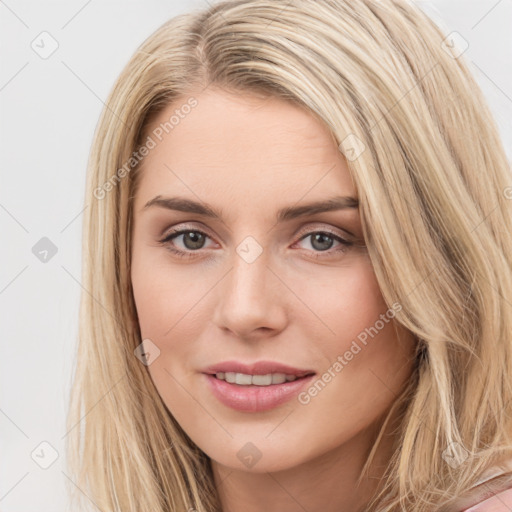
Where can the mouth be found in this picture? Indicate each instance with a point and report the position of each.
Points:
(268, 379)
(254, 393)
(259, 373)
(256, 386)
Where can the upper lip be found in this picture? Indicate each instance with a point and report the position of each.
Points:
(257, 368)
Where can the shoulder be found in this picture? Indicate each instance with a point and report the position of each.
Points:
(500, 502)
(492, 492)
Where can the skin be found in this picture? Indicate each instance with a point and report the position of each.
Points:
(250, 156)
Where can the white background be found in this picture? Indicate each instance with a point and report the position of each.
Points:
(49, 109)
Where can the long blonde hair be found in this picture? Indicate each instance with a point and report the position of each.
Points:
(434, 187)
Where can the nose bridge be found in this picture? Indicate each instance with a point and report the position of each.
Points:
(247, 298)
(249, 276)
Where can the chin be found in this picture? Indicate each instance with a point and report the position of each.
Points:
(256, 457)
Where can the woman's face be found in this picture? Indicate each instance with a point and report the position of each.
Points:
(295, 288)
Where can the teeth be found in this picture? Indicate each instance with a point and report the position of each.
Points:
(278, 378)
(262, 380)
(243, 379)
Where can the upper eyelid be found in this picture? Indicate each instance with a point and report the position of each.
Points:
(319, 226)
(332, 231)
(300, 235)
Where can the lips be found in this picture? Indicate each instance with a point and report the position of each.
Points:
(254, 399)
(257, 368)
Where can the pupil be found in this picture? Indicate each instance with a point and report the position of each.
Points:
(322, 237)
(197, 240)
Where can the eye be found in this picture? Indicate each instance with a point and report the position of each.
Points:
(193, 240)
(322, 242)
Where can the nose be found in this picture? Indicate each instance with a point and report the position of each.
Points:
(250, 301)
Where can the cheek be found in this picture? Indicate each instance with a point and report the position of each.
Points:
(343, 304)
(163, 295)
(353, 327)
(167, 303)
(366, 357)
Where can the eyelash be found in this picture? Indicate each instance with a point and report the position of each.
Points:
(345, 244)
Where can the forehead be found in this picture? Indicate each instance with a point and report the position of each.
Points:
(233, 144)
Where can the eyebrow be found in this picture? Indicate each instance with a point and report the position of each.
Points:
(287, 213)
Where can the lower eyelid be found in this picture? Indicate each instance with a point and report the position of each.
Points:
(169, 237)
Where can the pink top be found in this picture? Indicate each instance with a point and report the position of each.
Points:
(499, 500)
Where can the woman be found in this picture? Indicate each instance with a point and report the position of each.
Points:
(298, 270)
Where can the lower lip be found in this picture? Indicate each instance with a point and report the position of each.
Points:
(255, 398)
